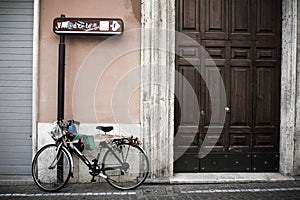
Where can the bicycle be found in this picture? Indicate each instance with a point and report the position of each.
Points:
(125, 164)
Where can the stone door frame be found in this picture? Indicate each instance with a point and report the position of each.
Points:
(159, 66)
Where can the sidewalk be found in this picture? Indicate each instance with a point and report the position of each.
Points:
(183, 178)
(275, 190)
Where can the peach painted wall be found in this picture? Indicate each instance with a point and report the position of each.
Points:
(87, 80)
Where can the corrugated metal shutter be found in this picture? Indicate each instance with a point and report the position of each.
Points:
(16, 32)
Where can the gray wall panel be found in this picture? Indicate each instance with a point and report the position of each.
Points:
(16, 33)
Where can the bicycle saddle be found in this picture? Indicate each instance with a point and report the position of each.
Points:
(105, 128)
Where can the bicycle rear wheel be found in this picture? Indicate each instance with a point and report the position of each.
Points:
(51, 170)
(126, 167)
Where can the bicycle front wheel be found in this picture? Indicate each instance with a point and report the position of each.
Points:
(126, 166)
(51, 168)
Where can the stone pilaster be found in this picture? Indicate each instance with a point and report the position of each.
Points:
(289, 94)
(157, 84)
(297, 131)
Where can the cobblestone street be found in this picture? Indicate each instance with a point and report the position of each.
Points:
(275, 191)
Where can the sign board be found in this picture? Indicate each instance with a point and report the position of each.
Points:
(88, 26)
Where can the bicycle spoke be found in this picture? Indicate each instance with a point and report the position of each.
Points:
(55, 161)
(54, 176)
(127, 153)
(133, 170)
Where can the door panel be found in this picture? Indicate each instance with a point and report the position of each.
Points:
(188, 18)
(242, 39)
(214, 121)
(264, 97)
(213, 19)
(190, 13)
(240, 19)
(268, 20)
(240, 105)
(187, 103)
(265, 15)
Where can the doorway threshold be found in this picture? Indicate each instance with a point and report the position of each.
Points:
(186, 178)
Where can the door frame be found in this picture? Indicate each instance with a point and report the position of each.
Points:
(290, 94)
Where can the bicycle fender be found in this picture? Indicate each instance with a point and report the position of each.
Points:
(71, 159)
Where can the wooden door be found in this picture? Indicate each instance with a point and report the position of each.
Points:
(243, 38)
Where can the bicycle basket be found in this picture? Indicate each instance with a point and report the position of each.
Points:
(56, 132)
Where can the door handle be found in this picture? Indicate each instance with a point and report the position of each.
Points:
(227, 109)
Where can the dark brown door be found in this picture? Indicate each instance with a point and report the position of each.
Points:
(243, 38)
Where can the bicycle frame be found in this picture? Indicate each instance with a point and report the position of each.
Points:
(57, 158)
(81, 156)
(86, 161)
(55, 161)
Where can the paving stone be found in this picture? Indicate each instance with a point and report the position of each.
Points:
(256, 191)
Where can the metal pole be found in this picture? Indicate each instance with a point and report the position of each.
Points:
(61, 77)
(61, 96)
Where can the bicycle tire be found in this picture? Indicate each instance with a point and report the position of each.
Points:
(134, 169)
(51, 171)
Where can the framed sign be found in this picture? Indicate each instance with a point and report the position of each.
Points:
(88, 26)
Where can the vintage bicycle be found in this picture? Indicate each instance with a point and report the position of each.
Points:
(125, 164)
